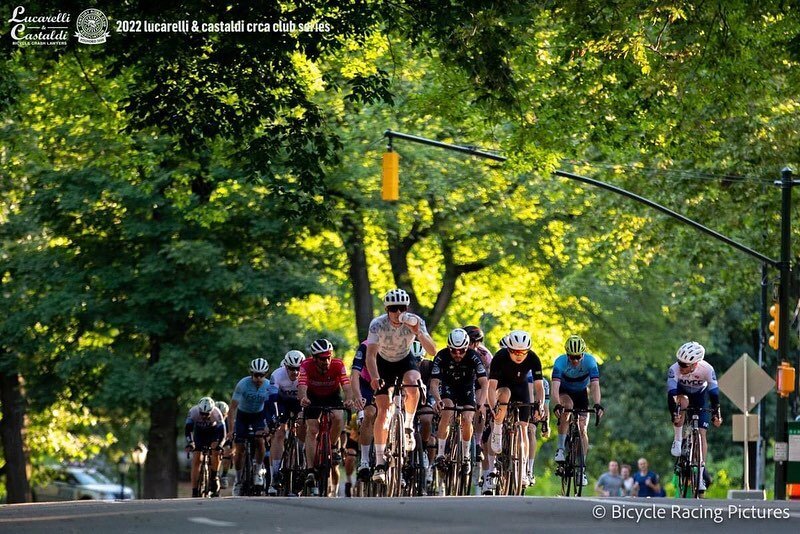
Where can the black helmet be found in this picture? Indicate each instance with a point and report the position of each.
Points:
(475, 333)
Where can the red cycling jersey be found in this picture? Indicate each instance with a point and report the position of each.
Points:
(323, 384)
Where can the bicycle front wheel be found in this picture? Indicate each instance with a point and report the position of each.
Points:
(578, 466)
(394, 446)
(696, 463)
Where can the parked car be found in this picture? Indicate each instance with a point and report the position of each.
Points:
(80, 483)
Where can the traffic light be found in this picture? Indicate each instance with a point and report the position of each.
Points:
(774, 325)
(391, 177)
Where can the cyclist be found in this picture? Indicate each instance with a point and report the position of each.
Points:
(226, 448)
(320, 383)
(205, 427)
(532, 428)
(688, 381)
(476, 343)
(364, 402)
(282, 405)
(508, 381)
(456, 368)
(388, 359)
(573, 373)
(247, 409)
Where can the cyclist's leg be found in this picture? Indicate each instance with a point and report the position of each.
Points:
(411, 377)
(195, 472)
(496, 440)
(388, 373)
(467, 400)
(444, 423)
(312, 435)
(563, 425)
(365, 433)
(677, 424)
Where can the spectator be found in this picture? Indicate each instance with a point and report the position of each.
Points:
(610, 483)
(627, 480)
(646, 483)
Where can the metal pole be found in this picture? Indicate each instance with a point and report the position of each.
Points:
(783, 333)
(762, 341)
(746, 428)
(138, 480)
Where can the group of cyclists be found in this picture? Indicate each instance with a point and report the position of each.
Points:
(464, 374)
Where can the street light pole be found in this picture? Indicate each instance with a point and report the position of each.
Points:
(785, 268)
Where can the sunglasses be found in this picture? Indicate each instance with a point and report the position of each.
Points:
(295, 369)
(458, 351)
(684, 365)
(397, 308)
(518, 352)
(575, 357)
(205, 414)
(258, 375)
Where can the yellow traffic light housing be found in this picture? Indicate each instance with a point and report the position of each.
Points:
(774, 325)
(390, 190)
(784, 380)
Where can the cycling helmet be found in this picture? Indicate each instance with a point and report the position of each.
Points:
(691, 352)
(223, 407)
(504, 342)
(206, 404)
(458, 339)
(575, 345)
(395, 297)
(518, 340)
(475, 333)
(293, 358)
(259, 365)
(321, 346)
(417, 352)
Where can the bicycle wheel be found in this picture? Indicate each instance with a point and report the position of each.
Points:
(247, 472)
(453, 464)
(518, 463)
(204, 489)
(566, 468)
(507, 477)
(683, 470)
(578, 466)
(696, 463)
(394, 448)
(323, 480)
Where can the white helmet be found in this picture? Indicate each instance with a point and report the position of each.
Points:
(321, 346)
(458, 339)
(504, 342)
(206, 404)
(518, 340)
(691, 352)
(395, 297)
(259, 365)
(223, 407)
(293, 358)
(417, 352)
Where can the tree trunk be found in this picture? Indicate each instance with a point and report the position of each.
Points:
(12, 435)
(353, 237)
(161, 466)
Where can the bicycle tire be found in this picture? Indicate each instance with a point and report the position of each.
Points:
(394, 471)
(518, 462)
(324, 466)
(684, 469)
(697, 463)
(566, 467)
(578, 466)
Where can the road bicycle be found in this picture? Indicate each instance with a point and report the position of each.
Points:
(252, 464)
(511, 463)
(573, 469)
(323, 455)
(293, 462)
(688, 464)
(454, 472)
(204, 475)
(396, 454)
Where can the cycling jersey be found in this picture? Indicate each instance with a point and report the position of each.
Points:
(206, 430)
(507, 372)
(360, 362)
(287, 388)
(394, 342)
(251, 399)
(457, 375)
(701, 379)
(575, 378)
(485, 355)
(323, 384)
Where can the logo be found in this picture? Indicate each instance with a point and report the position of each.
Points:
(92, 25)
(38, 30)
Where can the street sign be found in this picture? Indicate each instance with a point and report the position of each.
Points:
(732, 383)
(738, 427)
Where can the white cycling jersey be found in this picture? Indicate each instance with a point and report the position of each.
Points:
(287, 388)
(697, 381)
(394, 342)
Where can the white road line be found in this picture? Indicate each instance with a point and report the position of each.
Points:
(211, 522)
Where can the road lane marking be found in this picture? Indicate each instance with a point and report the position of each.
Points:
(211, 522)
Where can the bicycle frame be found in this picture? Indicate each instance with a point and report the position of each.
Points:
(688, 465)
(323, 455)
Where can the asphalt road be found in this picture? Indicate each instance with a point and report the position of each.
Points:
(411, 516)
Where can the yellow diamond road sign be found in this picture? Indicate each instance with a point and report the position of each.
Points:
(732, 383)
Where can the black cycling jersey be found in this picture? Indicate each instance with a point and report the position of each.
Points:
(507, 372)
(457, 374)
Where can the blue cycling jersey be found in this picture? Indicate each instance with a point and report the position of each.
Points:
(575, 378)
(250, 398)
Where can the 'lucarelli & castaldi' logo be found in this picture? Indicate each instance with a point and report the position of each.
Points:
(50, 30)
